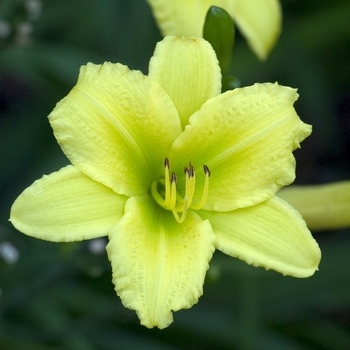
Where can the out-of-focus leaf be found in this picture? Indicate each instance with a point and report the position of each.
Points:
(220, 32)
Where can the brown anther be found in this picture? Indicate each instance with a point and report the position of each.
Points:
(206, 170)
(173, 177)
(191, 170)
(166, 163)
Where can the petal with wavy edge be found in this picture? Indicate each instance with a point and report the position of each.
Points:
(271, 234)
(66, 206)
(116, 126)
(158, 264)
(188, 71)
(246, 138)
(260, 22)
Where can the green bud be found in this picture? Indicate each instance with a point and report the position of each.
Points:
(219, 30)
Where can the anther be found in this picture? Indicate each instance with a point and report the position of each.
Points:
(167, 163)
(191, 170)
(206, 170)
(173, 177)
(204, 198)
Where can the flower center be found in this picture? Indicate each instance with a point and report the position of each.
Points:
(167, 196)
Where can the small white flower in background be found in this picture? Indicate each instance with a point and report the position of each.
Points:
(97, 246)
(34, 9)
(5, 29)
(9, 252)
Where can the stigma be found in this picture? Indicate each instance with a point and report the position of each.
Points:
(169, 199)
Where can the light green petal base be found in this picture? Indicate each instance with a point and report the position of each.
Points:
(272, 235)
(158, 264)
(66, 206)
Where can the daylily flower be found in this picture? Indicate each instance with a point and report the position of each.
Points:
(259, 21)
(171, 169)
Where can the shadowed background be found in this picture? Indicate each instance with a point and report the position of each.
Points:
(60, 296)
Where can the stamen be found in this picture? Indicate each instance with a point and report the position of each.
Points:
(167, 182)
(173, 191)
(190, 183)
(181, 218)
(202, 202)
(171, 195)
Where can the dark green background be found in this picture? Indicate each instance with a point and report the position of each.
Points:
(60, 296)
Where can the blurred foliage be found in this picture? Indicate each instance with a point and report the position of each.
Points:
(60, 296)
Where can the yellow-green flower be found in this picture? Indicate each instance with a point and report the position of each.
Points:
(171, 169)
(259, 21)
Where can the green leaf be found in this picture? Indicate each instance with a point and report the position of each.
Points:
(219, 30)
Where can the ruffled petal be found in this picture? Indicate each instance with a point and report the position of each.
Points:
(116, 126)
(323, 207)
(188, 71)
(260, 23)
(66, 206)
(158, 264)
(246, 138)
(271, 234)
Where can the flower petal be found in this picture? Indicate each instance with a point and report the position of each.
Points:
(116, 126)
(271, 234)
(66, 206)
(184, 17)
(323, 207)
(260, 22)
(246, 138)
(188, 70)
(158, 264)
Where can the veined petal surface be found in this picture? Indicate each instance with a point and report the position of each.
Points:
(66, 206)
(188, 70)
(246, 138)
(260, 22)
(116, 126)
(271, 234)
(158, 264)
